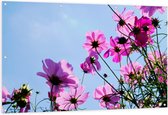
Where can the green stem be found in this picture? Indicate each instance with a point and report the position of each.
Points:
(51, 98)
(42, 101)
(9, 107)
(157, 39)
(118, 16)
(107, 65)
(83, 78)
(104, 78)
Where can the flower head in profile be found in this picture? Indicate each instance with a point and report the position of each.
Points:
(150, 10)
(132, 72)
(5, 94)
(21, 97)
(107, 96)
(85, 66)
(91, 64)
(118, 49)
(126, 17)
(72, 99)
(95, 41)
(58, 75)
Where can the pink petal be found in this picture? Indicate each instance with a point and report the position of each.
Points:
(106, 54)
(112, 42)
(93, 35)
(42, 75)
(98, 93)
(51, 66)
(83, 98)
(116, 58)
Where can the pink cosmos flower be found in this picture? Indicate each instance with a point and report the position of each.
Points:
(131, 72)
(145, 24)
(72, 99)
(150, 10)
(95, 41)
(161, 79)
(117, 50)
(91, 63)
(126, 17)
(157, 60)
(107, 96)
(141, 31)
(58, 75)
(155, 57)
(5, 94)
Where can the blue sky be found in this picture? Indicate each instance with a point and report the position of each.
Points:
(33, 32)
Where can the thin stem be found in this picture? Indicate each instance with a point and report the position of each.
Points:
(35, 102)
(107, 65)
(51, 98)
(149, 63)
(134, 100)
(118, 16)
(83, 78)
(103, 78)
(41, 101)
(157, 39)
(8, 107)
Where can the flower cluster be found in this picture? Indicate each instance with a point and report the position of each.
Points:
(20, 98)
(60, 76)
(136, 77)
(144, 85)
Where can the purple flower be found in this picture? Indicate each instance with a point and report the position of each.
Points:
(85, 67)
(93, 63)
(107, 96)
(95, 41)
(58, 75)
(72, 99)
(145, 24)
(150, 10)
(117, 49)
